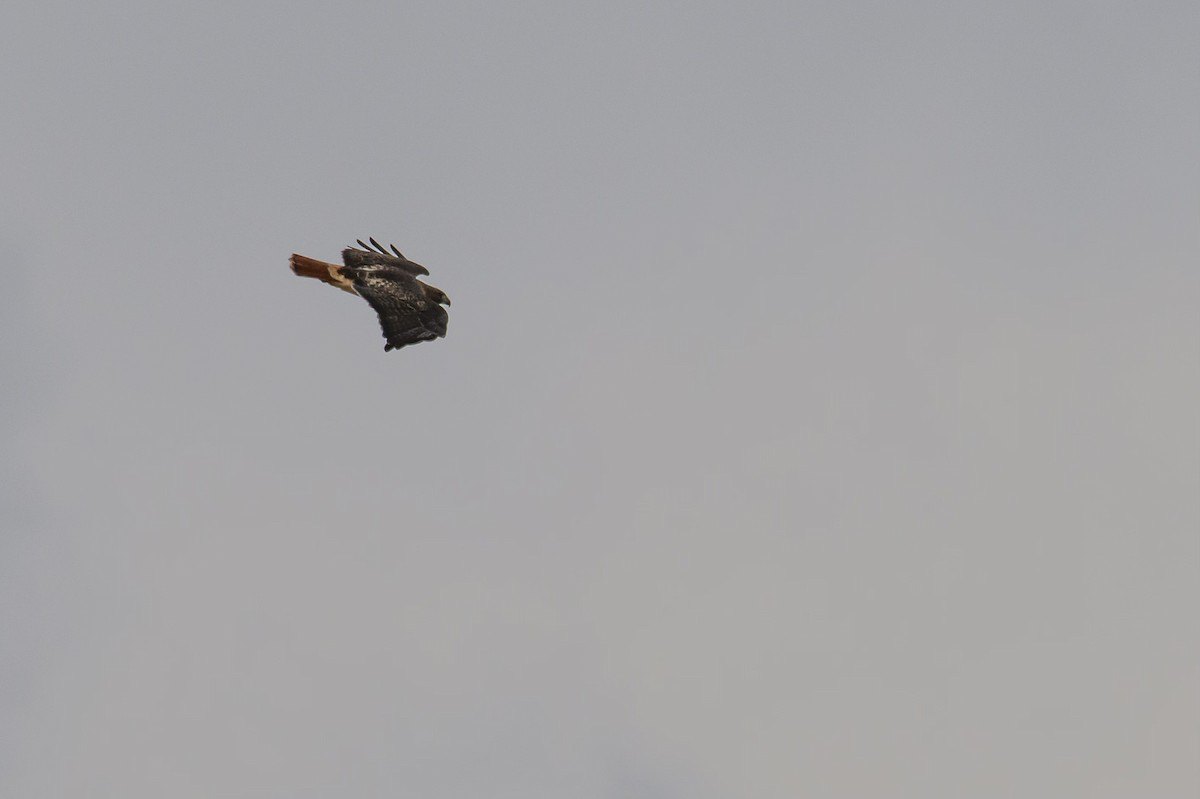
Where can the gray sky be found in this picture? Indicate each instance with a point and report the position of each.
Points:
(817, 417)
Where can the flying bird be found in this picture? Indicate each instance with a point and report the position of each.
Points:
(410, 311)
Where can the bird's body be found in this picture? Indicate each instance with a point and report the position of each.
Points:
(410, 311)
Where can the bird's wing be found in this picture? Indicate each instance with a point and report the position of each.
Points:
(435, 319)
(367, 256)
(404, 313)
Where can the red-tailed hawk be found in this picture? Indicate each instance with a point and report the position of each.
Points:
(409, 311)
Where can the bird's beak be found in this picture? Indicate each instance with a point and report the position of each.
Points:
(447, 301)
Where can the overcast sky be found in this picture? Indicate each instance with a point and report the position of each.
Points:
(818, 415)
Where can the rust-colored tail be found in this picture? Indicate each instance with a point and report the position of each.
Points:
(304, 266)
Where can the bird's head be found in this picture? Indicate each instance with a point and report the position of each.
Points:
(436, 294)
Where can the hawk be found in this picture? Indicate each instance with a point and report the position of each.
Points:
(410, 311)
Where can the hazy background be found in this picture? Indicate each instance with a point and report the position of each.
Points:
(818, 416)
